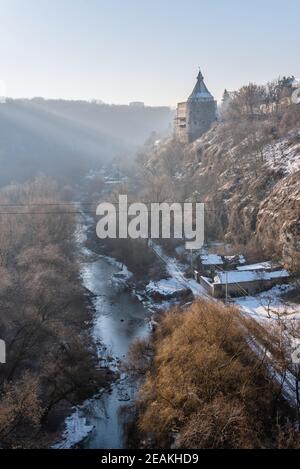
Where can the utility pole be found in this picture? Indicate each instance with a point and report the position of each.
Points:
(226, 287)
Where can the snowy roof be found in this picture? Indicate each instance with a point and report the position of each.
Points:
(211, 259)
(278, 273)
(239, 257)
(235, 276)
(258, 266)
(200, 92)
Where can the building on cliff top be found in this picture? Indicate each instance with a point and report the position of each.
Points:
(195, 116)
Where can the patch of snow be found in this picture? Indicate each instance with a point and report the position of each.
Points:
(236, 276)
(114, 181)
(283, 156)
(123, 273)
(76, 430)
(176, 271)
(269, 304)
(166, 287)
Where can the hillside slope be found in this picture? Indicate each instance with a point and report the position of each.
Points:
(65, 139)
(248, 174)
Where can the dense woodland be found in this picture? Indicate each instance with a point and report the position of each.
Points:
(45, 315)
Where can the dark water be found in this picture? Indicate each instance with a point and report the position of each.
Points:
(120, 318)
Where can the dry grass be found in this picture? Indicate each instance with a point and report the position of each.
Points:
(205, 386)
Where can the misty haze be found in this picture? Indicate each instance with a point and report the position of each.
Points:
(149, 229)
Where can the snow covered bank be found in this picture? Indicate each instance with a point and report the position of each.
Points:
(176, 272)
(123, 273)
(76, 429)
(166, 288)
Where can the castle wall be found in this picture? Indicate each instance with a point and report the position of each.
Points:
(200, 116)
(180, 123)
(193, 119)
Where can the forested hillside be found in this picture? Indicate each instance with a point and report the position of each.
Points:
(246, 169)
(45, 317)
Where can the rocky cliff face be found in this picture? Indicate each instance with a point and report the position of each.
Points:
(278, 220)
(248, 174)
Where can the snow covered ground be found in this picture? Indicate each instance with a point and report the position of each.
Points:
(268, 305)
(176, 272)
(76, 429)
(166, 287)
(123, 273)
(283, 156)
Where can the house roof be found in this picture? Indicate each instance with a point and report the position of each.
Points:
(211, 259)
(200, 92)
(236, 276)
(258, 266)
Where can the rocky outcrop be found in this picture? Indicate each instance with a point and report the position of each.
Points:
(278, 221)
(248, 175)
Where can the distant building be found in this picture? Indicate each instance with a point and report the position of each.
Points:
(195, 116)
(240, 283)
(136, 104)
(208, 264)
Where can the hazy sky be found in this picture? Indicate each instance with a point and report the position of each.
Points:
(147, 50)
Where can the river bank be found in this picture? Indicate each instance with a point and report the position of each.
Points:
(119, 318)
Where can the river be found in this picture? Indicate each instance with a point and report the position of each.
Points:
(119, 319)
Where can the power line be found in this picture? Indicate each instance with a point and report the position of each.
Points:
(72, 204)
(42, 213)
(234, 283)
(82, 212)
(78, 211)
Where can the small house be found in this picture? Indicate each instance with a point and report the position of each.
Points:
(240, 283)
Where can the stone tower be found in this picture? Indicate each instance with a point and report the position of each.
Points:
(196, 115)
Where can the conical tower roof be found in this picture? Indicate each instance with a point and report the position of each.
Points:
(200, 92)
